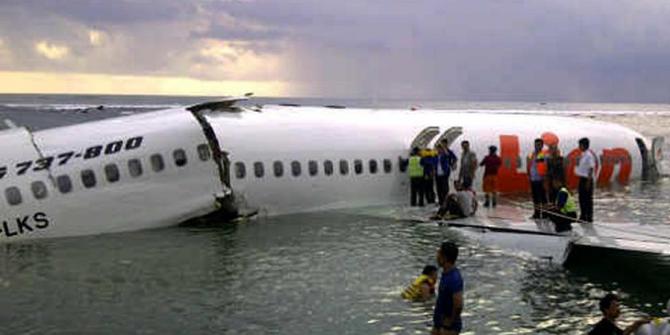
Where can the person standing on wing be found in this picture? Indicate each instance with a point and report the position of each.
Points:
(585, 170)
(446, 162)
(466, 173)
(491, 164)
(537, 169)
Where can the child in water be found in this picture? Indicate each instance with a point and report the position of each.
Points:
(423, 287)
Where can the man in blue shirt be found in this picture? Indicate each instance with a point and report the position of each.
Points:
(446, 162)
(449, 303)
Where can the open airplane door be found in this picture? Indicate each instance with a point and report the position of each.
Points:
(449, 137)
(422, 140)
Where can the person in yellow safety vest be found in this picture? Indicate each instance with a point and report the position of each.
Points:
(423, 287)
(415, 170)
(564, 210)
(536, 166)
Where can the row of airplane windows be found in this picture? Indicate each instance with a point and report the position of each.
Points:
(313, 168)
(111, 172)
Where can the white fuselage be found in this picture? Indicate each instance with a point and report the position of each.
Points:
(148, 194)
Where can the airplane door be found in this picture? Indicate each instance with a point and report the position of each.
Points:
(449, 137)
(424, 137)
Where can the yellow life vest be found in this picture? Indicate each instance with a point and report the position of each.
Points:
(570, 205)
(413, 292)
(415, 169)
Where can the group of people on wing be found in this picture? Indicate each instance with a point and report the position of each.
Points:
(431, 169)
(551, 197)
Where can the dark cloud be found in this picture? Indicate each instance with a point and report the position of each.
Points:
(105, 11)
(481, 49)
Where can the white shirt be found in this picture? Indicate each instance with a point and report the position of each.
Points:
(586, 162)
(466, 199)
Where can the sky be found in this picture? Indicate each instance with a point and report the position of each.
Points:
(504, 50)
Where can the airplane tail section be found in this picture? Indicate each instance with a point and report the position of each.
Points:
(651, 158)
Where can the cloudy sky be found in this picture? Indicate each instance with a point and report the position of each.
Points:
(531, 50)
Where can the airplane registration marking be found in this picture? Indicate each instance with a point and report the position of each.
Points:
(24, 224)
(95, 151)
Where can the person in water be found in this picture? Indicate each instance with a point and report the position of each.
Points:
(423, 287)
(609, 306)
(449, 303)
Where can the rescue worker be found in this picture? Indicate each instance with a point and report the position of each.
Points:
(491, 164)
(536, 166)
(446, 162)
(564, 209)
(415, 171)
(555, 172)
(423, 287)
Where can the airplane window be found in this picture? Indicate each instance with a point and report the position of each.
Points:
(157, 164)
(402, 164)
(259, 170)
(179, 157)
(203, 152)
(295, 168)
(13, 195)
(373, 166)
(64, 183)
(112, 173)
(240, 170)
(279, 168)
(39, 189)
(328, 168)
(135, 167)
(388, 166)
(88, 178)
(313, 168)
(344, 167)
(358, 166)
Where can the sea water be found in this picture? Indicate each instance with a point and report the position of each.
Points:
(337, 272)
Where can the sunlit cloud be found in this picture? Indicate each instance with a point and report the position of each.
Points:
(235, 60)
(72, 83)
(51, 51)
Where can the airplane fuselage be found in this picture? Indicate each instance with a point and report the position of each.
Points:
(161, 168)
